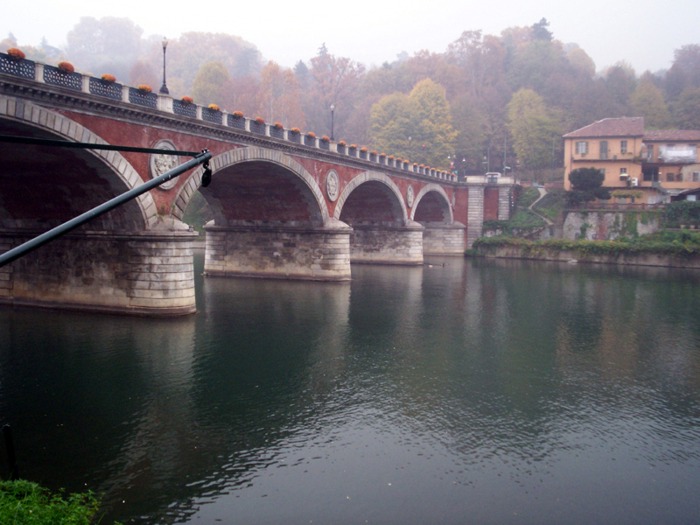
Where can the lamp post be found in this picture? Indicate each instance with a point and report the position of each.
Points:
(332, 120)
(164, 87)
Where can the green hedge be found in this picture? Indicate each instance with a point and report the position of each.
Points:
(682, 213)
(667, 243)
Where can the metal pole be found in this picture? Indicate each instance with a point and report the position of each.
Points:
(90, 145)
(332, 121)
(22, 249)
(164, 87)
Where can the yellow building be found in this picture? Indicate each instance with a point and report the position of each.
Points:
(658, 164)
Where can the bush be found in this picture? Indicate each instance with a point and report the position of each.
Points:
(682, 213)
(586, 179)
(24, 502)
(526, 196)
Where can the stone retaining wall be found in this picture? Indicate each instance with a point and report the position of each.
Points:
(609, 225)
(572, 256)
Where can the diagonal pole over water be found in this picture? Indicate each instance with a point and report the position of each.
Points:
(36, 242)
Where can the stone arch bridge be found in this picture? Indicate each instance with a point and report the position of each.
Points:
(286, 204)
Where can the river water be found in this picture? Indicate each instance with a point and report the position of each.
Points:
(463, 391)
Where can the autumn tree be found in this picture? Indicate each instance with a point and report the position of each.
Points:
(434, 122)
(108, 45)
(481, 61)
(684, 72)
(580, 60)
(391, 124)
(534, 63)
(647, 101)
(534, 129)
(188, 53)
(211, 84)
(540, 31)
(142, 72)
(474, 131)
(243, 95)
(686, 109)
(279, 97)
(334, 81)
(417, 126)
(620, 82)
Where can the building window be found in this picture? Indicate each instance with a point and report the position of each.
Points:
(603, 149)
(581, 147)
(623, 146)
(623, 174)
(696, 176)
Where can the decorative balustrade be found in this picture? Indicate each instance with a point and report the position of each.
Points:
(112, 90)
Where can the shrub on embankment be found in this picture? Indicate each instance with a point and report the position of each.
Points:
(27, 503)
(682, 214)
(660, 249)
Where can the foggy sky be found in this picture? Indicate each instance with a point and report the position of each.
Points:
(643, 33)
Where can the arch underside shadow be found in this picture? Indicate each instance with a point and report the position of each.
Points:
(441, 234)
(42, 186)
(432, 206)
(371, 198)
(253, 185)
(270, 220)
(113, 263)
(382, 233)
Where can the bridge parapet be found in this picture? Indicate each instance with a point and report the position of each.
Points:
(107, 88)
(490, 179)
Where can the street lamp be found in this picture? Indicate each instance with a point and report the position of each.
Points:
(164, 87)
(332, 120)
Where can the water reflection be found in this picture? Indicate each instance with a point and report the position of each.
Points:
(478, 391)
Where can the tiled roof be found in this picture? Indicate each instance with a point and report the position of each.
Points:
(611, 127)
(672, 135)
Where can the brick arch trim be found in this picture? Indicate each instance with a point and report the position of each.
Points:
(42, 118)
(369, 176)
(247, 154)
(427, 189)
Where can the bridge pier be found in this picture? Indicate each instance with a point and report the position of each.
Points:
(279, 251)
(141, 273)
(475, 214)
(374, 244)
(443, 239)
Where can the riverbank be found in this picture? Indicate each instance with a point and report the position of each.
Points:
(673, 250)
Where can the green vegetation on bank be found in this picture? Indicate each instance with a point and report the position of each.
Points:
(679, 243)
(681, 238)
(682, 214)
(525, 221)
(552, 205)
(27, 503)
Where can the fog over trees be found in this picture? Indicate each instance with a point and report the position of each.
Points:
(486, 101)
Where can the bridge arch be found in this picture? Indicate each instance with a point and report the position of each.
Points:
(432, 204)
(347, 210)
(109, 173)
(259, 162)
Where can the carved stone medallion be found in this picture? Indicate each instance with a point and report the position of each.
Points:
(332, 185)
(162, 163)
(410, 196)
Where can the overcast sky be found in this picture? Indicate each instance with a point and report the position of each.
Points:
(644, 33)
